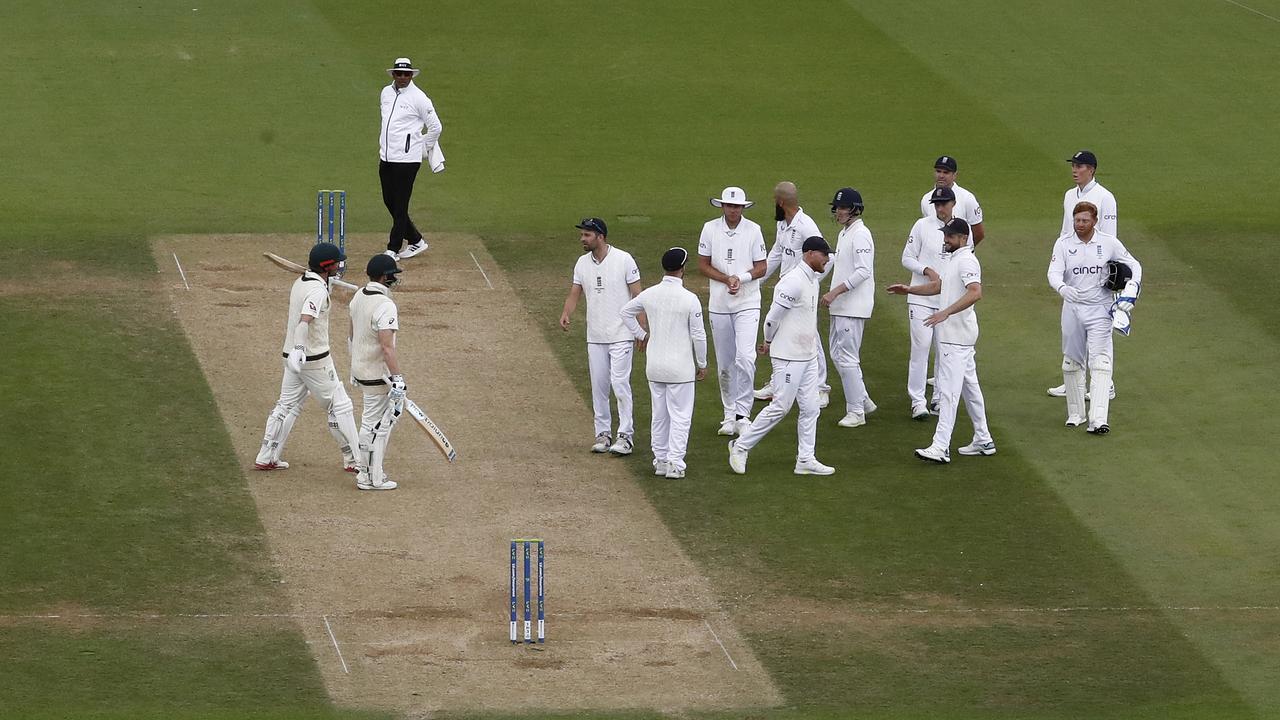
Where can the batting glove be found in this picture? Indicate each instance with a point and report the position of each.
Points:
(297, 356)
(398, 388)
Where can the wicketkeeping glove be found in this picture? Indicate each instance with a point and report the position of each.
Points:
(398, 388)
(1128, 296)
(297, 356)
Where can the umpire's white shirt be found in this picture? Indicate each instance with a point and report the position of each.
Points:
(1083, 265)
(372, 311)
(788, 241)
(604, 284)
(959, 270)
(923, 249)
(309, 296)
(404, 113)
(854, 267)
(1093, 193)
(967, 207)
(797, 335)
(677, 339)
(733, 251)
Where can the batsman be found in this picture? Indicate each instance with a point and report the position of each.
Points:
(375, 369)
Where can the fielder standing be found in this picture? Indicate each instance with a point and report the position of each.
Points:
(608, 277)
(308, 368)
(922, 255)
(731, 253)
(1084, 166)
(675, 346)
(792, 343)
(375, 369)
(967, 207)
(851, 299)
(960, 286)
(408, 132)
(1078, 271)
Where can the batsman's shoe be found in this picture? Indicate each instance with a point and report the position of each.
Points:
(933, 454)
(385, 484)
(813, 467)
(351, 468)
(728, 427)
(623, 446)
(268, 466)
(659, 468)
(1060, 391)
(603, 441)
(765, 393)
(742, 426)
(977, 448)
(920, 412)
(1075, 421)
(737, 459)
(824, 398)
(933, 406)
(413, 249)
(853, 420)
(282, 465)
(1102, 429)
(868, 407)
(674, 473)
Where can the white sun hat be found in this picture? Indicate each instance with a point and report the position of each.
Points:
(732, 196)
(404, 64)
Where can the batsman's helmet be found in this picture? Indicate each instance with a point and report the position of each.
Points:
(325, 257)
(846, 198)
(1117, 275)
(380, 266)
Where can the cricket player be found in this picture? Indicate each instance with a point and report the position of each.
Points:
(792, 343)
(794, 225)
(1084, 166)
(375, 369)
(675, 346)
(277, 463)
(960, 286)
(409, 130)
(850, 300)
(731, 253)
(967, 207)
(921, 256)
(608, 277)
(308, 368)
(1078, 271)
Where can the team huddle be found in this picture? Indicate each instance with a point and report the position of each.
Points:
(1097, 277)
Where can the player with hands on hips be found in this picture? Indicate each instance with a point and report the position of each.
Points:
(308, 367)
(1080, 269)
(959, 285)
(375, 368)
(850, 300)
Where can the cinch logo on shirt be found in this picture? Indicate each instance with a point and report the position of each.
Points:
(1088, 270)
(862, 250)
(789, 251)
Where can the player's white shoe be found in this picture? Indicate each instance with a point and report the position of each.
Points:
(933, 406)
(603, 441)
(659, 468)
(1102, 429)
(765, 393)
(385, 484)
(269, 466)
(622, 446)
(976, 448)
(392, 254)
(351, 468)
(742, 426)
(1075, 421)
(414, 249)
(674, 473)
(868, 407)
(934, 454)
(1060, 391)
(920, 412)
(853, 420)
(728, 427)
(824, 398)
(737, 459)
(813, 467)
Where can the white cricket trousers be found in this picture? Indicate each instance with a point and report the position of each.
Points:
(1086, 339)
(377, 420)
(733, 335)
(672, 415)
(794, 381)
(922, 343)
(846, 353)
(610, 365)
(957, 378)
(320, 379)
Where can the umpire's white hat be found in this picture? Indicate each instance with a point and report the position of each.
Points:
(403, 64)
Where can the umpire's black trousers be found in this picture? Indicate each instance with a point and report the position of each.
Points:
(397, 187)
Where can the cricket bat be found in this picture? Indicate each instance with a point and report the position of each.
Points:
(431, 429)
(292, 266)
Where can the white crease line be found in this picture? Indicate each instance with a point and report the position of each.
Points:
(482, 272)
(180, 272)
(1255, 12)
(345, 669)
(722, 647)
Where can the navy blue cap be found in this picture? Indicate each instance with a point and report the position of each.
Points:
(674, 259)
(846, 197)
(815, 243)
(380, 266)
(594, 224)
(956, 226)
(942, 195)
(1084, 157)
(946, 162)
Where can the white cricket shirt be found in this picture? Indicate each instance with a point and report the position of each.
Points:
(959, 270)
(404, 113)
(309, 296)
(797, 335)
(372, 310)
(604, 284)
(732, 251)
(1083, 265)
(786, 251)
(677, 339)
(1096, 194)
(967, 207)
(854, 267)
(923, 249)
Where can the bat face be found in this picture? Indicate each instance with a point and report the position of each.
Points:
(431, 429)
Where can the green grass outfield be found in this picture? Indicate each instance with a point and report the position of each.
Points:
(1128, 559)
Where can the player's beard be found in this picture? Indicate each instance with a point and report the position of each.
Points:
(779, 214)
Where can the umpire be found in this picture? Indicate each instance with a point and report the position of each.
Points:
(410, 129)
